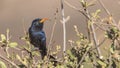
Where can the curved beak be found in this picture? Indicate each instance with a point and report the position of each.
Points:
(43, 20)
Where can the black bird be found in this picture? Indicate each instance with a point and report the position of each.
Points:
(37, 35)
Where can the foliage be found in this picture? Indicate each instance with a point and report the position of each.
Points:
(84, 52)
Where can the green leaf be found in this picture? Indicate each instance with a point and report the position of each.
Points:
(37, 53)
(13, 44)
(70, 54)
(112, 48)
(91, 3)
(3, 38)
(101, 63)
(19, 58)
(22, 61)
(83, 3)
(96, 13)
(2, 65)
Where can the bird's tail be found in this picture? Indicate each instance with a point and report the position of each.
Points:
(43, 53)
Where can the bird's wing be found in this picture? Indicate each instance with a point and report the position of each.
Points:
(38, 38)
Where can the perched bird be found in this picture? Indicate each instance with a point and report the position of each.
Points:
(37, 35)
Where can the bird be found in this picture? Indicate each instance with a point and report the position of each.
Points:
(37, 35)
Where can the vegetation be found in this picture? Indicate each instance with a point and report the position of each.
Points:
(85, 52)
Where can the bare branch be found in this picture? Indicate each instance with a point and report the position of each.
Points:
(64, 26)
(104, 7)
(12, 63)
(77, 9)
(82, 59)
(87, 15)
(108, 12)
(98, 45)
(95, 40)
(52, 34)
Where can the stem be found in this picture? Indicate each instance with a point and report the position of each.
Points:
(85, 12)
(93, 31)
(12, 63)
(64, 27)
(101, 3)
(95, 40)
(82, 59)
(7, 39)
(52, 34)
(88, 31)
(98, 45)
(108, 12)
(110, 61)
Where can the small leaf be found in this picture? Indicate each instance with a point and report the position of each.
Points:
(58, 47)
(112, 49)
(83, 3)
(13, 44)
(37, 53)
(91, 3)
(54, 53)
(96, 13)
(2, 65)
(22, 61)
(101, 63)
(70, 54)
(18, 57)
(3, 38)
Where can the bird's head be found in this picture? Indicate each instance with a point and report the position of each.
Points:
(38, 23)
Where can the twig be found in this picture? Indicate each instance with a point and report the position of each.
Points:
(107, 11)
(110, 61)
(73, 6)
(53, 29)
(77, 9)
(7, 40)
(93, 31)
(81, 11)
(101, 3)
(87, 15)
(52, 34)
(95, 40)
(99, 26)
(82, 58)
(12, 63)
(64, 27)
(98, 45)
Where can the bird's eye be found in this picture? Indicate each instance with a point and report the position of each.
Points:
(35, 23)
